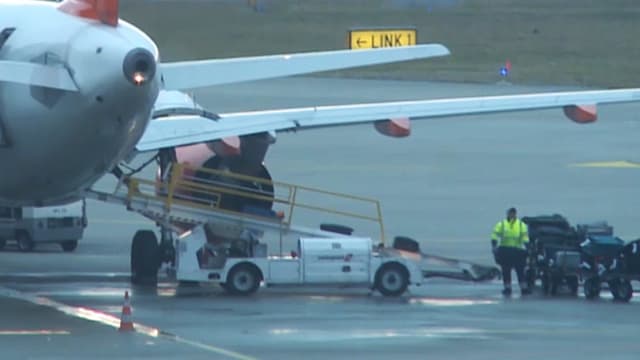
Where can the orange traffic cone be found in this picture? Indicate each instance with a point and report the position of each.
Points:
(125, 319)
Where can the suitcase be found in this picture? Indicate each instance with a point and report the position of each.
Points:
(594, 228)
(605, 246)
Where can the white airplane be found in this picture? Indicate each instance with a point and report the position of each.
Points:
(82, 90)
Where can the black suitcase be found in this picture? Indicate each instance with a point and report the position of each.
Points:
(594, 228)
(556, 221)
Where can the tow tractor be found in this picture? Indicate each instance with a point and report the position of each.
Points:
(241, 248)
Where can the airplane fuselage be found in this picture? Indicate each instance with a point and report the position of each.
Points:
(55, 143)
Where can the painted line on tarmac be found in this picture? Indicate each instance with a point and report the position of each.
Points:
(33, 332)
(86, 313)
(616, 164)
(64, 276)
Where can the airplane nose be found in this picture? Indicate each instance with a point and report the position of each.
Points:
(139, 66)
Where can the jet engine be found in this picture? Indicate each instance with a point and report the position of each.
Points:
(581, 114)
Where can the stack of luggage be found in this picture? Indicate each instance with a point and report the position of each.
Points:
(560, 254)
(554, 253)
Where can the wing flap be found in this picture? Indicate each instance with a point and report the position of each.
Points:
(177, 131)
(55, 77)
(195, 74)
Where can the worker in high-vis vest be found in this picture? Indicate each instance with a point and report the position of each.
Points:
(509, 243)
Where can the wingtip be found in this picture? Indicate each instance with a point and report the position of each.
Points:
(442, 49)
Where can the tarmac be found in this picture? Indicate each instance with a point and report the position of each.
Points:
(446, 186)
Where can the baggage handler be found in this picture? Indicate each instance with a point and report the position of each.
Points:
(509, 242)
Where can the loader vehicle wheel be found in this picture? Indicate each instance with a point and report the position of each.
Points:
(243, 279)
(621, 290)
(145, 258)
(392, 279)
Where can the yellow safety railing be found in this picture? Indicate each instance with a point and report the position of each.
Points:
(209, 189)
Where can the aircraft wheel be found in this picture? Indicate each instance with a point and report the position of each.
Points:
(392, 279)
(25, 244)
(145, 258)
(69, 245)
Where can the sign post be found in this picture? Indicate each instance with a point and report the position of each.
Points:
(373, 38)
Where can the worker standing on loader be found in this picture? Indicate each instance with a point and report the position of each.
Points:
(509, 242)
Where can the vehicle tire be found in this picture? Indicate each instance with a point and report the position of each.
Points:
(243, 279)
(573, 284)
(392, 279)
(3, 243)
(592, 288)
(25, 244)
(69, 245)
(621, 290)
(145, 258)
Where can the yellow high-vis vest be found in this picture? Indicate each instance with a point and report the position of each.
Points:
(511, 233)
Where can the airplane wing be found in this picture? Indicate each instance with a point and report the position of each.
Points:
(195, 74)
(49, 76)
(178, 130)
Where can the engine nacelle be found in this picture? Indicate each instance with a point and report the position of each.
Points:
(581, 114)
(240, 155)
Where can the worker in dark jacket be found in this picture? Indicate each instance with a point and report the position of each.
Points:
(509, 242)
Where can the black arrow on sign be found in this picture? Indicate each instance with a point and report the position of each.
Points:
(359, 42)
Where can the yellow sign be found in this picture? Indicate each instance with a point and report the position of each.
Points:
(379, 38)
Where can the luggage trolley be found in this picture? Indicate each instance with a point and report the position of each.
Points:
(607, 260)
(553, 254)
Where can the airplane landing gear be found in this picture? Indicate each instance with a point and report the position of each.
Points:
(145, 258)
(147, 255)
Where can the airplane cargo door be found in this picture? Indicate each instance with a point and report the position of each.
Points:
(336, 260)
